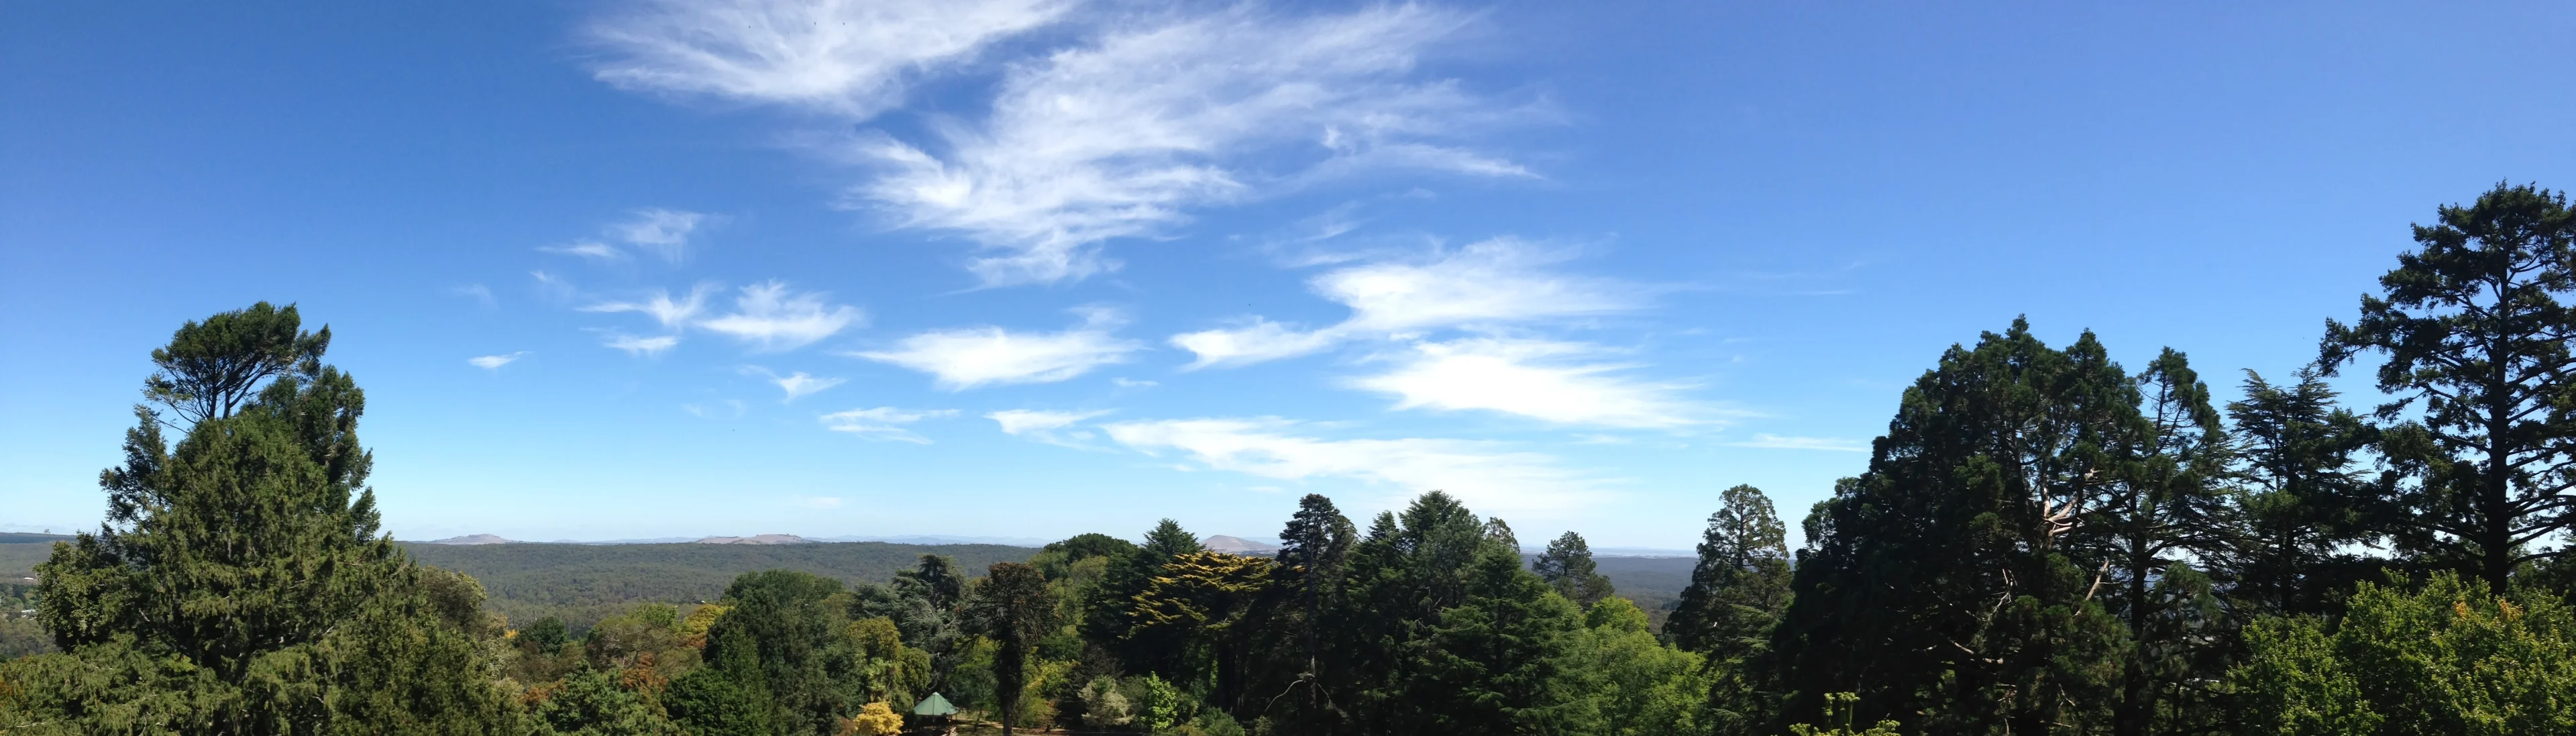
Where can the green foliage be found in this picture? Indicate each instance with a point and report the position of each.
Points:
(1939, 585)
(1568, 568)
(1839, 710)
(1013, 607)
(583, 583)
(239, 584)
(590, 703)
(2304, 503)
(2473, 328)
(2448, 658)
(1632, 684)
(781, 643)
(708, 702)
(547, 635)
(1740, 585)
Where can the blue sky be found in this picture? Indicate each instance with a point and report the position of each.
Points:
(1038, 267)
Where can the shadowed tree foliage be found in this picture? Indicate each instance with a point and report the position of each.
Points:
(1939, 585)
(1741, 583)
(2473, 331)
(1314, 549)
(1111, 622)
(2165, 508)
(1567, 567)
(1013, 606)
(2303, 501)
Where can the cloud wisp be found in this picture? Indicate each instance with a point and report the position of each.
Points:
(494, 362)
(1123, 136)
(848, 58)
(1050, 427)
(642, 347)
(967, 357)
(660, 231)
(884, 423)
(672, 313)
(770, 317)
(1492, 283)
(1557, 382)
(1121, 126)
(797, 385)
(1777, 442)
(1485, 474)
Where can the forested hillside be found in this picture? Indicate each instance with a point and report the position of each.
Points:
(582, 583)
(2045, 541)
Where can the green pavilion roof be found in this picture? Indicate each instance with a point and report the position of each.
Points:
(934, 706)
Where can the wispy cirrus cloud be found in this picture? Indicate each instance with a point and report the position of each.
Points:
(844, 57)
(642, 347)
(660, 231)
(494, 362)
(1777, 442)
(1559, 382)
(672, 313)
(1488, 475)
(1491, 283)
(771, 317)
(1046, 426)
(883, 423)
(797, 385)
(967, 357)
(1124, 135)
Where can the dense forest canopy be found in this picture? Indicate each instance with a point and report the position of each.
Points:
(2044, 541)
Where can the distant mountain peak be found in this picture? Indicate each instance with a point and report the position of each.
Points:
(473, 539)
(757, 539)
(1237, 545)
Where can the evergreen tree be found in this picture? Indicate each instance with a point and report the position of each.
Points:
(1012, 606)
(2167, 506)
(2304, 500)
(1741, 583)
(1314, 548)
(2473, 330)
(1939, 585)
(1447, 632)
(1568, 568)
(1111, 620)
(781, 643)
(240, 584)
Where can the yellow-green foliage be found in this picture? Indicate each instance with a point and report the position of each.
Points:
(2449, 658)
(1839, 709)
(874, 719)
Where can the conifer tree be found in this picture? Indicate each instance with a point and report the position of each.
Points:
(2304, 500)
(1568, 568)
(2474, 332)
(2166, 507)
(240, 584)
(1314, 548)
(1112, 622)
(1013, 606)
(1741, 583)
(1940, 585)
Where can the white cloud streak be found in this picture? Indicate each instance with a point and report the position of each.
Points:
(663, 231)
(1121, 137)
(883, 423)
(845, 57)
(1539, 379)
(1484, 474)
(797, 385)
(1777, 442)
(1050, 427)
(770, 318)
(1486, 284)
(494, 362)
(967, 357)
(642, 347)
(672, 313)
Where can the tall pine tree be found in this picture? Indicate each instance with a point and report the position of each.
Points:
(2473, 331)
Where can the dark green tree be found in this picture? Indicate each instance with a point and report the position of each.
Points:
(239, 584)
(781, 643)
(1568, 568)
(1111, 622)
(1314, 549)
(1013, 606)
(1940, 585)
(2304, 501)
(2167, 506)
(2473, 331)
(1741, 583)
(1447, 632)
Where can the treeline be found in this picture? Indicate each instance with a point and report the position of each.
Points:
(581, 584)
(2044, 542)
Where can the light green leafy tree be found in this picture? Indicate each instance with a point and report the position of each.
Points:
(2448, 658)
